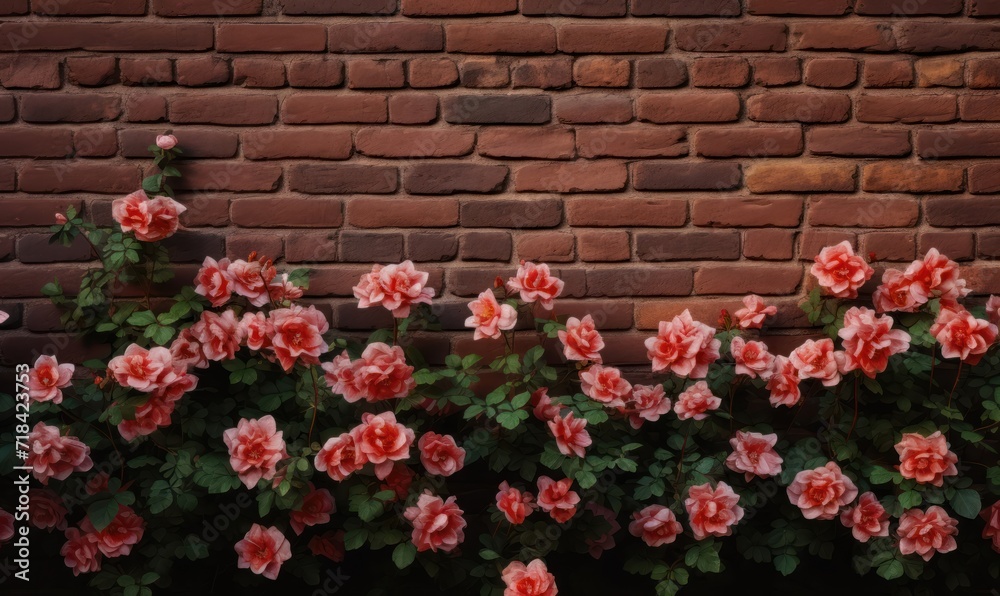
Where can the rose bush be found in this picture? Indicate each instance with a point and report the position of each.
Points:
(877, 436)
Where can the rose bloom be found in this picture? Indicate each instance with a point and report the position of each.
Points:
(80, 552)
(712, 512)
(927, 532)
(166, 142)
(938, 276)
(557, 499)
(656, 525)
(899, 292)
(991, 531)
(186, 351)
(218, 335)
(158, 409)
(396, 287)
(962, 335)
(647, 403)
(399, 480)
(251, 280)
(46, 509)
(489, 317)
(820, 493)
(255, 448)
(381, 373)
(841, 271)
(542, 405)
(47, 378)
(536, 284)
(867, 519)
(992, 310)
(340, 457)
(282, 291)
(214, 281)
(684, 346)
(784, 383)
(817, 360)
(97, 483)
(606, 540)
(571, 434)
(329, 544)
(581, 341)
(753, 313)
(150, 220)
(752, 358)
(3, 317)
(437, 524)
(531, 580)
(869, 340)
(754, 455)
(118, 538)
(696, 401)
(605, 384)
(263, 550)
(298, 335)
(926, 459)
(514, 504)
(382, 440)
(51, 455)
(254, 331)
(143, 370)
(440, 455)
(316, 508)
(6, 526)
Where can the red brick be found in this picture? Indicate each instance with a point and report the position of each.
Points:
(35, 211)
(14, 7)
(979, 108)
(342, 179)
(452, 178)
(197, 8)
(31, 142)
(431, 246)
(962, 211)
(734, 212)
(484, 73)
(496, 109)
(631, 142)
(195, 142)
(743, 279)
(145, 108)
(940, 72)
(890, 176)
(44, 108)
(30, 72)
(795, 7)
(639, 281)
(351, 7)
(271, 37)
(713, 245)
(831, 73)
(146, 71)
(91, 8)
(984, 8)
(854, 36)
(286, 212)
(660, 73)
(431, 8)
(259, 73)
(307, 108)
(511, 213)
(686, 8)
(776, 72)
(626, 212)
(725, 37)
(924, 37)
(414, 143)
(229, 109)
(855, 141)
(107, 37)
(686, 176)
(410, 212)
(202, 71)
(595, 176)
(36, 248)
(239, 245)
(749, 142)
(546, 247)
(375, 74)
(805, 176)
(92, 71)
(720, 72)
(231, 176)
(501, 38)
(896, 9)
(592, 108)
(367, 247)
(945, 143)
(984, 178)
(413, 108)
(907, 109)
(888, 72)
(95, 141)
(385, 36)
(577, 8)
(799, 107)
(863, 212)
(889, 246)
(769, 244)
(612, 39)
(320, 143)
(78, 177)
(311, 247)
(543, 73)
(526, 143)
(7, 109)
(960, 246)
(603, 245)
(8, 177)
(429, 73)
(984, 73)
(315, 73)
(486, 246)
(599, 71)
(689, 107)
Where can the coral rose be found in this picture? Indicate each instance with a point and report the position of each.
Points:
(437, 524)
(251, 280)
(51, 455)
(214, 281)
(316, 508)
(962, 335)
(696, 401)
(440, 455)
(329, 544)
(542, 405)
(571, 434)
(869, 340)
(255, 331)
(581, 341)
(820, 493)
(399, 480)
(150, 220)
(784, 383)
(143, 370)
(218, 335)
(395, 287)
(536, 284)
(992, 310)
(298, 335)
(817, 360)
(532, 579)
(3, 317)
(159, 408)
(927, 532)
(867, 519)
(514, 504)
(684, 346)
(557, 499)
(340, 457)
(899, 292)
(166, 142)
(712, 512)
(752, 358)
(841, 271)
(80, 552)
(118, 538)
(263, 550)
(753, 313)
(186, 351)
(283, 291)
(754, 455)
(992, 530)
(605, 384)
(938, 276)
(47, 378)
(656, 525)
(255, 448)
(381, 373)
(647, 403)
(926, 459)
(382, 440)
(46, 509)
(489, 317)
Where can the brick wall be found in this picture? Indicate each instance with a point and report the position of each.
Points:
(659, 153)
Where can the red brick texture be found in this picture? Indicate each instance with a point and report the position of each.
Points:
(658, 153)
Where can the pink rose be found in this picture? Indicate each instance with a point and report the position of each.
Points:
(381, 373)
(938, 276)
(46, 509)
(159, 408)
(990, 514)
(255, 448)
(647, 403)
(186, 351)
(47, 378)
(61, 219)
(927, 532)
(80, 552)
(316, 508)
(214, 281)
(263, 550)
(437, 524)
(166, 142)
(926, 459)
(605, 384)
(329, 544)
(340, 457)
(571, 434)
(150, 220)
(992, 310)
(118, 538)
(869, 340)
(395, 287)
(251, 280)
(962, 335)
(696, 401)
(841, 271)
(867, 519)
(753, 313)
(820, 493)
(557, 499)
(51, 455)
(382, 440)
(399, 480)
(3, 317)
(542, 405)
(581, 341)
(489, 317)
(514, 504)
(255, 331)
(536, 284)
(899, 292)
(754, 455)
(656, 525)
(218, 335)
(143, 370)
(97, 483)
(132, 212)
(684, 346)
(298, 335)
(283, 291)
(784, 383)
(440, 455)
(531, 580)
(752, 358)
(712, 512)
(818, 360)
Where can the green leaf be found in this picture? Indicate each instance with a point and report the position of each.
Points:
(786, 564)
(102, 513)
(891, 570)
(403, 554)
(142, 318)
(966, 503)
(355, 539)
(161, 496)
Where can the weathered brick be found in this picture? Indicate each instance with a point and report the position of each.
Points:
(146, 72)
(888, 72)
(430, 73)
(551, 247)
(228, 109)
(896, 8)
(984, 8)
(287, 212)
(526, 142)
(631, 142)
(350, 7)
(890, 176)
(271, 37)
(484, 73)
(451, 178)
(639, 281)
(806, 176)
(689, 107)
(831, 73)
(432, 8)
(501, 38)
(311, 247)
(307, 108)
(686, 8)
(622, 212)
(107, 37)
(725, 37)
(496, 109)
(686, 176)
(239, 245)
(758, 279)
(231, 176)
(855, 141)
(984, 73)
(612, 39)
(386, 212)
(78, 177)
(603, 246)
(863, 212)
(850, 37)
(543, 73)
(920, 37)
(431, 246)
(368, 247)
(729, 72)
(738, 212)
(145, 108)
(375, 74)
(776, 72)
(202, 71)
(413, 143)
(907, 109)
(600, 71)
(715, 245)
(31, 142)
(36, 211)
(984, 178)
(799, 107)
(258, 73)
(316, 143)
(578, 8)
(510, 213)
(486, 246)
(940, 72)
(413, 108)
(95, 141)
(979, 108)
(196, 142)
(768, 244)
(962, 211)
(660, 73)
(794, 7)
(197, 8)
(343, 179)
(80, 107)
(593, 108)
(92, 71)
(889, 246)
(36, 248)
(555, 177)
(386, 36)
(315, 73)
(959, 246)
(90, 8)
(947, 143)
(749, 142)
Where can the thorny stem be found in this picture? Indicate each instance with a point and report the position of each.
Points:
(680, 461)
(854, 422)
(315, 408)
(958, 375)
